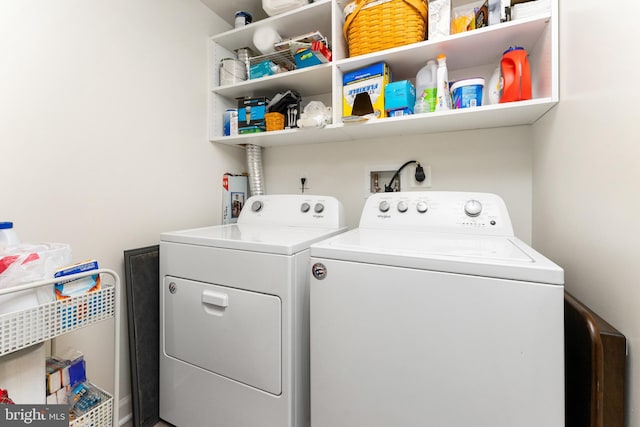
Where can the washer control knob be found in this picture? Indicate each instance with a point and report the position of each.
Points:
(473, 208)
(384, 206)
(256, 206)
(422, 207)
(304, 208)
(318, 208)
(402, 206)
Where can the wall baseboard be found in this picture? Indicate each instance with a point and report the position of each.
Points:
(125, 411)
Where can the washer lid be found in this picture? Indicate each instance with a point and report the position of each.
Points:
(250, 237)
(489, 256)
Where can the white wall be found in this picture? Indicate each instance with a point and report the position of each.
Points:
(492, 160)
(103, 132)
(586, 173)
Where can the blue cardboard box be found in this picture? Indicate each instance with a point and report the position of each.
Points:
(306, 58)
(264, 68)
(399, 96)
(251, 113)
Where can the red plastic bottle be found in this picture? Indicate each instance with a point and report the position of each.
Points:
(516, 75)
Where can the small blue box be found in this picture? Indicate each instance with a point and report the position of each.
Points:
(77, 372)
(258, 127)
(401, 112)
(306, 58)
(264, 68)
(399, 96)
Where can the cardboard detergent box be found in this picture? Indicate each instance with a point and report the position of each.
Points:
(234, 195)
(76, 287)
(369, 80)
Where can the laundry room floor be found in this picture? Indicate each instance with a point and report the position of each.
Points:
(160, 424)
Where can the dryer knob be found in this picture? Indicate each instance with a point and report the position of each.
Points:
(318, 208)
(402, 206)
(304, 208)
(256, 206)
(473, 208)
(422, 207)
(384, 206)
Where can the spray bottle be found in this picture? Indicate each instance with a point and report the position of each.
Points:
(442, 92)
(426, 84)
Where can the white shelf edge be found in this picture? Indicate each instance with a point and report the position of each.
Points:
(278, 22)
(444, 44)
(486, 117)
(314, 72)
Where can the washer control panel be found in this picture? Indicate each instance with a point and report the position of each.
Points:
(438, 211)
(293, 210)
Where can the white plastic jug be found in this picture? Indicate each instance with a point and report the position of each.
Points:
(8, 236)
(426, 85)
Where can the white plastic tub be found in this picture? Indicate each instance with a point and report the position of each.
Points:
(467, 93)
(276, 7)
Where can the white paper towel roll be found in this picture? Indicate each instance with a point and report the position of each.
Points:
(264, 38)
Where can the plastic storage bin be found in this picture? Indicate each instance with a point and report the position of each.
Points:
(25, 328)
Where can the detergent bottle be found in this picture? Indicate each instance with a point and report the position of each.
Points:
(426, 84)
(516, 75)
(495, 87)
(442, 79)
(8, 236)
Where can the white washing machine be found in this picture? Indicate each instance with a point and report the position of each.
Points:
(234, 315)
(432, 313)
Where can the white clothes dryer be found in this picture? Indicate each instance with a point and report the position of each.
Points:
(432, 313)
(234, 315)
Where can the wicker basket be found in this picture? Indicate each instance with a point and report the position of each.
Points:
(275, 121)
(373, 25)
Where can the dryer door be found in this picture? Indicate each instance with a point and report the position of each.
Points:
(228, 331)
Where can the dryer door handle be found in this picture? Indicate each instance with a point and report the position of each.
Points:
(215, 298)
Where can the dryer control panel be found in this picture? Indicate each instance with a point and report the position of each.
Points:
(438, 211)
(293, 210)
